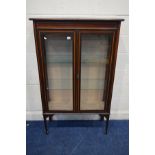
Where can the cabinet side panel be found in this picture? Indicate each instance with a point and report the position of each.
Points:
(40, 69)
(112, 72)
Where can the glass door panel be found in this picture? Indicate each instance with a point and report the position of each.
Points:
(94, 60)
(59, 53)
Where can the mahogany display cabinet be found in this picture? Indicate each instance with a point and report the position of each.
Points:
(76, 62)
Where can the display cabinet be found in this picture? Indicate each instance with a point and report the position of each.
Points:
(76, 63)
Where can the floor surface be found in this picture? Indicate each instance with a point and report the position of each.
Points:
(77, 138)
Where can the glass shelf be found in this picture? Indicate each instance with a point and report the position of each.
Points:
(66, 84)
(95, 62)
(98, 59)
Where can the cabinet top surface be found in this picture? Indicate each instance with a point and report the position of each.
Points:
(77, 19)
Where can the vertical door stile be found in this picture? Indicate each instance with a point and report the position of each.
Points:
(109, 71)
(78, 70)
(45, 66)
(74, 72)
(43, 60)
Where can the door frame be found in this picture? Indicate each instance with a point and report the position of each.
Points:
(44, 82)
(109, 69)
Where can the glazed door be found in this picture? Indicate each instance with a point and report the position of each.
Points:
(59, 62)
(77, 68)
(95, 51)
